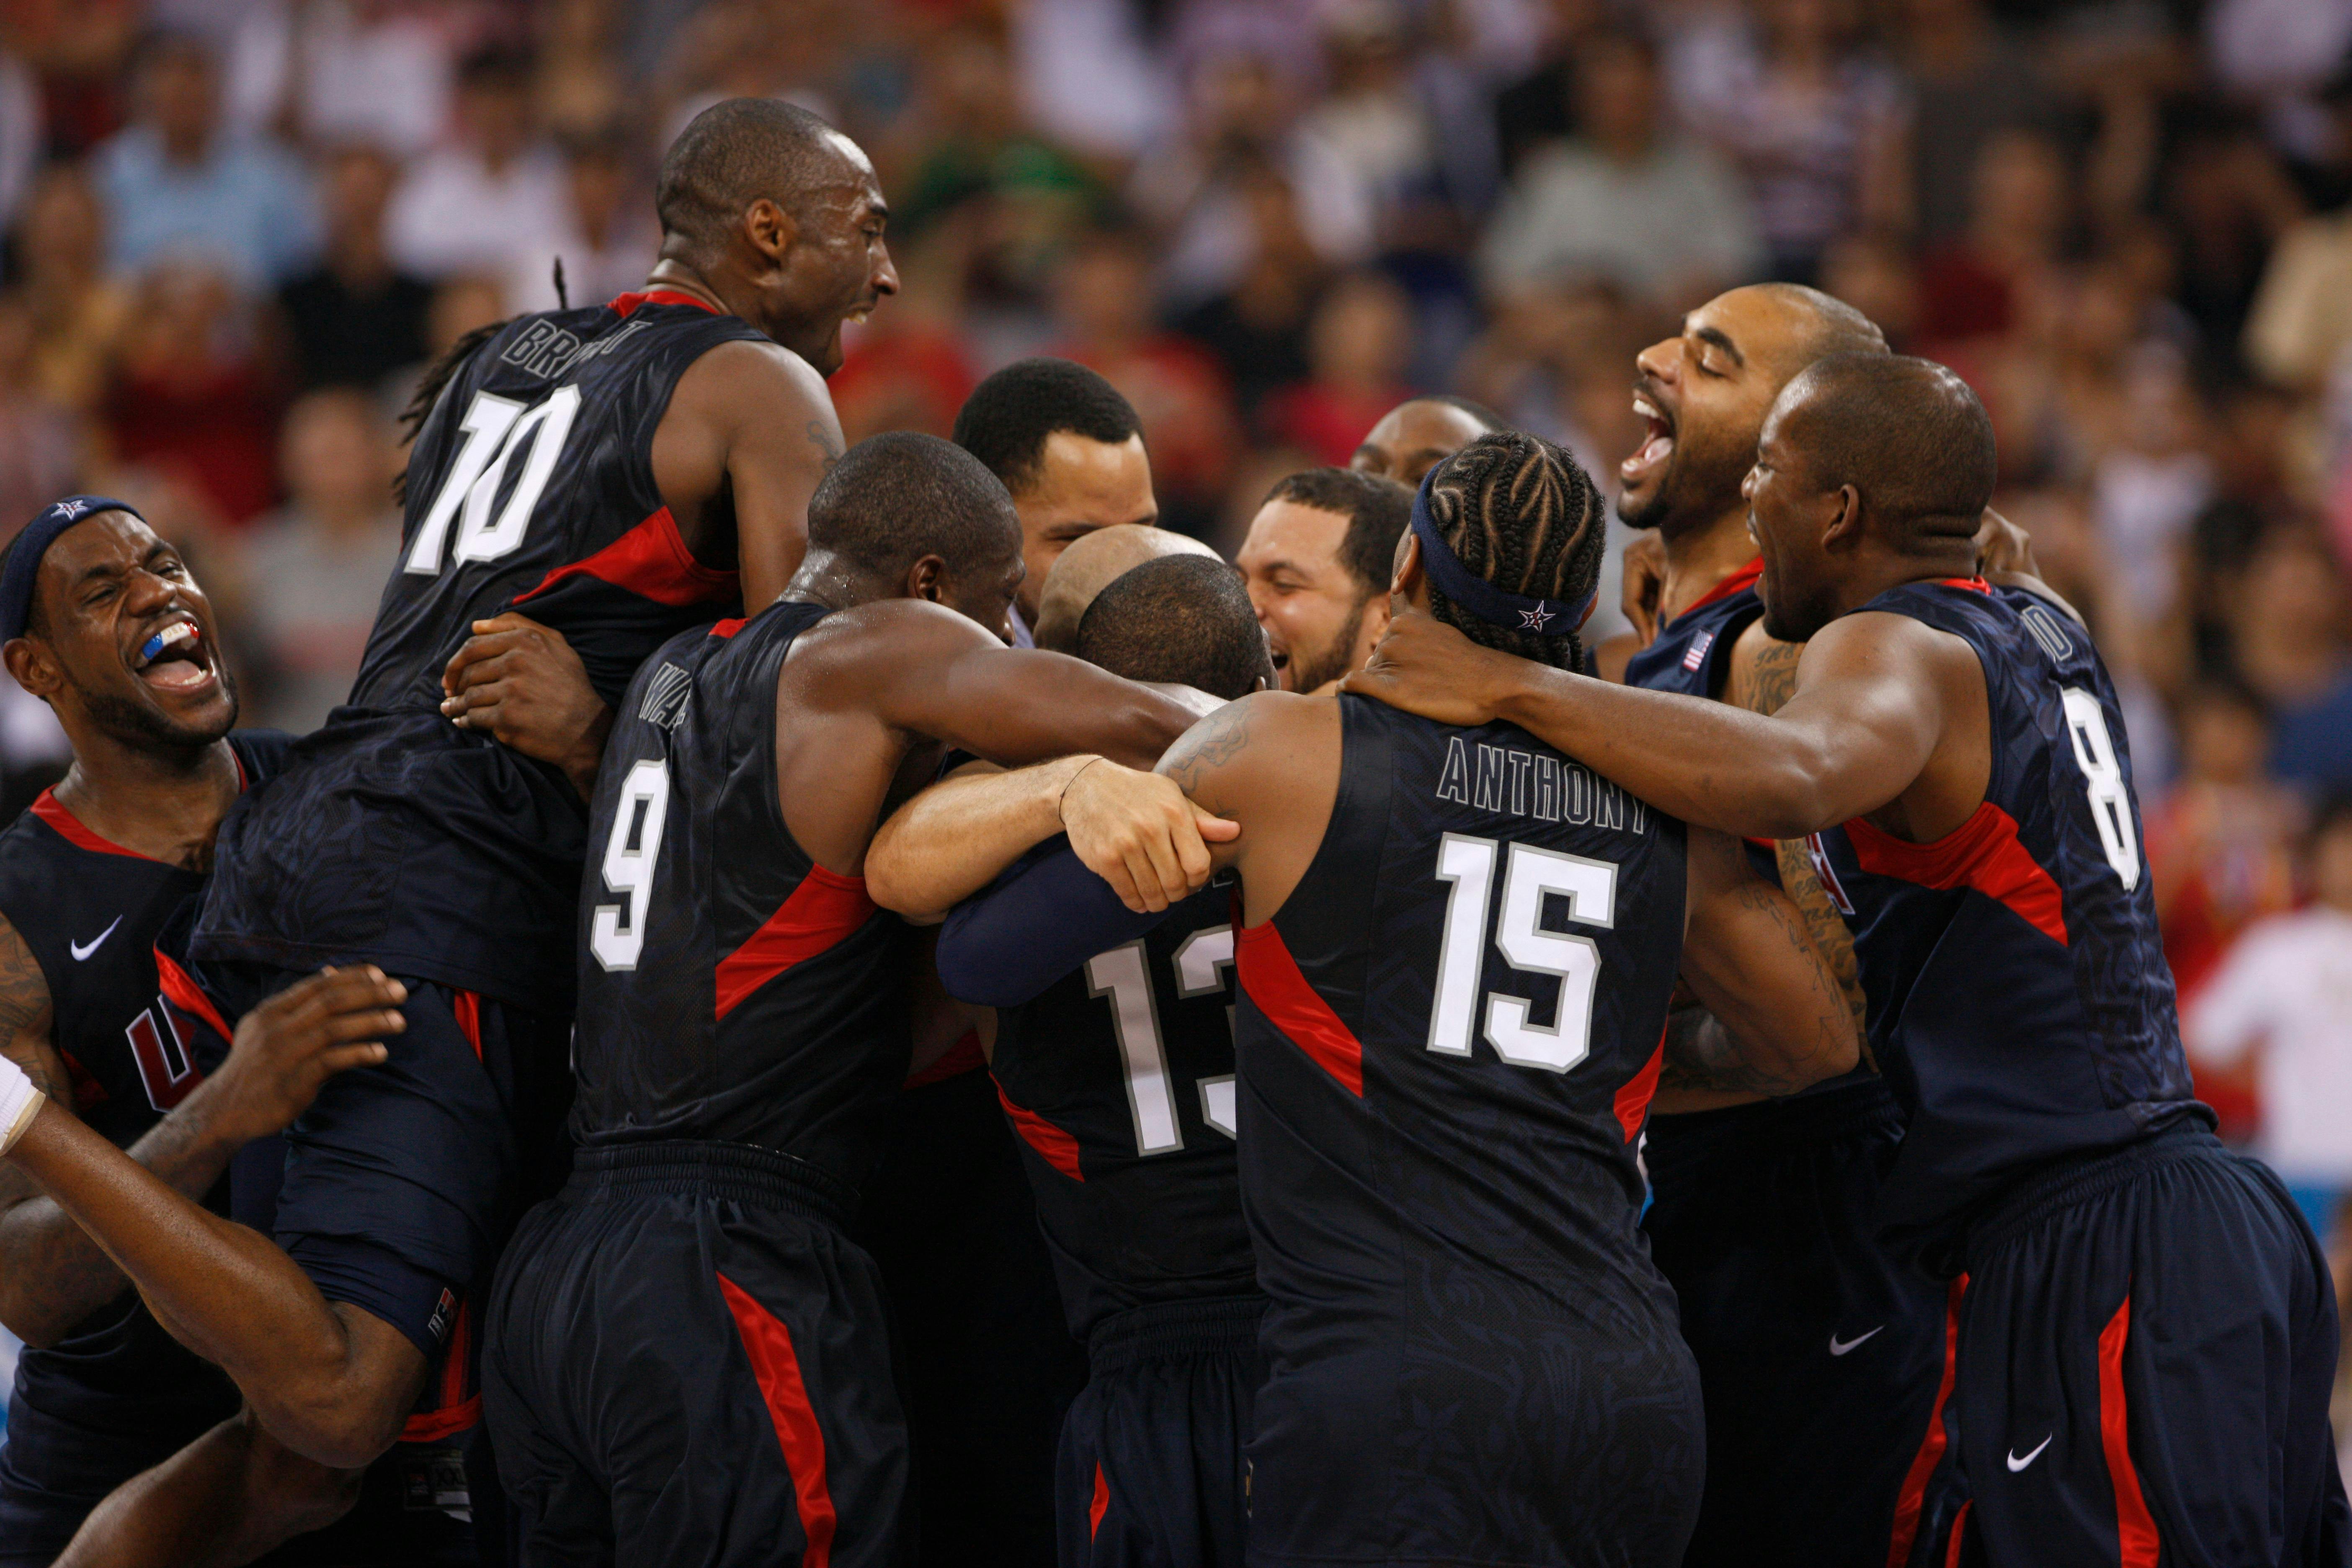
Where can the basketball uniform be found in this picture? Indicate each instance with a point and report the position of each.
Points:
(1118, 1079)
(1820, 1352)
(118, 1395)
(2147, 1336)
(396, 838)
(688, 1359)
(1446, 1042)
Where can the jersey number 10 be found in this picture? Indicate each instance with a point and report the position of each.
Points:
(495, 427)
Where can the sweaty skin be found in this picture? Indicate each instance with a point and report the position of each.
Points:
(1413, 438)
(1086, 566)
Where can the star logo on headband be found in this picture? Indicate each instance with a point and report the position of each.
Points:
(74, 508)
(1533, 620)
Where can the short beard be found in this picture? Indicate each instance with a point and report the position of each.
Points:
(142, 729)
(1336, 656)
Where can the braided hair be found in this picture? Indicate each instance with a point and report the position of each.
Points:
(1523, 514)
(429, 387)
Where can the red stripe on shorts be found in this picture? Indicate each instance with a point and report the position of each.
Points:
(778, 1370)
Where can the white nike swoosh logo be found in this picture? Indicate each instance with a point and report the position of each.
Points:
(1839, 1347)
(81, 952)
(2016, 1464)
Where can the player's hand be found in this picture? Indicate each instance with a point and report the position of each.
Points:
(1426, 667)
(1645, 584)
(287, 1048)
(2004, 548)
(1139, 833)
(519, 683)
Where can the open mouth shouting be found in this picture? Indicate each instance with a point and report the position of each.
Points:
(176, 658)
(1656, 447)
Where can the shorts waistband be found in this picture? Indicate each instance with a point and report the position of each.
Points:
(1173, 1329)
(1681, 1146)
(737, 1172)
(2076, 1178)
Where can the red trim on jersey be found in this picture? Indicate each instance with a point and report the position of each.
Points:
(1632, 1103)
(467, 1008)
(1983, 853)
(436, 1425)
(1914, 1495)
(2135, 1529)
(1973, 584)
(185, 993)
(1270, 978)
(1745, 577)
(1100, 1506)
(730, 626)
(1055, 1147)
(87, 1090)
(626, 304)
(50, 809)
(1959, 1534)
(777, 1369)
(824, 911)
(965, 1055)
(650, 561)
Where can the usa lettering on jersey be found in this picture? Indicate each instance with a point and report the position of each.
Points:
(1507, 780)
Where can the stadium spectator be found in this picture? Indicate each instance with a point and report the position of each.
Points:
(1359, 344)
(484, 198)
(191, 397)
(40, 444)
(355, 318)
(77, 310)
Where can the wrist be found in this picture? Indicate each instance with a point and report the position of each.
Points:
(587, 755)
(1070, 770)
(207, 1117)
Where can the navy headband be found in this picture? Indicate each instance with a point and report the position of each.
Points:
(1478, 597)
(25, 555)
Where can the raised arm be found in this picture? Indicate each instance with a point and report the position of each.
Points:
(1136, 830)
(1775, 1019)
(1873, 699)
(749, 425)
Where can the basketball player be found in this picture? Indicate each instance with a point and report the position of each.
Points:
(1818, 1350)
(1088, 565)
(2146, 1344)
(1317, 561)
(688, 1359)
(609, 469)
(1421, 433)
(1070, 448)
(1470, 1358)
(1118, 1079)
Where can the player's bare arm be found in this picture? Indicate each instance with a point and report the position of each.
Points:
(226, 1498)
(521, 684)
(1880, 700)
(330, 1381)
(1270, 763)
(1775, 1021)
(750, 434)
(1134, 829)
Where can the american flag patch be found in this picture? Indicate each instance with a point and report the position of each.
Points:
(1697, 654)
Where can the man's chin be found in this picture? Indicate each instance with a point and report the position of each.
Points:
(148, 726)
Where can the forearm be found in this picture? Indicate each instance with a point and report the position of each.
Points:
(228, 1293)
(1711, 764)
(1045, 920)
(954, 838)
(226, 1498)
(54, 1274)
(1778, 1021)
(1691, 1076)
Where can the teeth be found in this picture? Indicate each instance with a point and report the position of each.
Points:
(1642, 407)
(178, 634)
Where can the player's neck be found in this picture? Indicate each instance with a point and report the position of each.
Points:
(163, 804)
(1699, 558)
(676, 277)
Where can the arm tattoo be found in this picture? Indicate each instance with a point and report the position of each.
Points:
(1832, 939)
(1768, 687)
(824, 443)
(24, 1008)
(1701, 1053)
(1207, 746)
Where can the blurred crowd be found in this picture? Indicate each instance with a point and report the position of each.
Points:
(236, 229)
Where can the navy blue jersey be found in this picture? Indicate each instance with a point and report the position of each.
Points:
(91, 911)
(730, 988)
(2020, 1002)
(396, 838)
(1119, 1079)
(1692, 653)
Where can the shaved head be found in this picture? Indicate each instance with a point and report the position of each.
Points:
(1092, 561)
(742, 151)
(1837, 328)
(1908, 435)
(1180, 619)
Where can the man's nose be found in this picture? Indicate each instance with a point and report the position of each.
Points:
(1661, 360)
(886, 276)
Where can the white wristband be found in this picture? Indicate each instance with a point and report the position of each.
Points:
(19, 1102)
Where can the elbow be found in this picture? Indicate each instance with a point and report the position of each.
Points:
(1795, 802)
(341, 1432)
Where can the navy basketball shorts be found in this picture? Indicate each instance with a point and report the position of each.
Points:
(2147, 1346)
(1819, 1353)
(1150, 1473)
(687, 1361)
(1479, 1420)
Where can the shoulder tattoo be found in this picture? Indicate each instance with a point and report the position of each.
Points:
(1208, 745)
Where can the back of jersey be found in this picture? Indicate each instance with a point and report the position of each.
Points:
(2020, 1002)
(731, 989)
(532, 488)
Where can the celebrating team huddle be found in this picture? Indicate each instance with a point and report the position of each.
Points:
(1483, 1100)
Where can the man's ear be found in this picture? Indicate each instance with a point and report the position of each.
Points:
(34, 666)
(927, 578)
(1842, 527)
(1408, 573)
(1376, 616)
(769, 229)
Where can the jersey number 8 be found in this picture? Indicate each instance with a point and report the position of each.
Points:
(495, 427)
